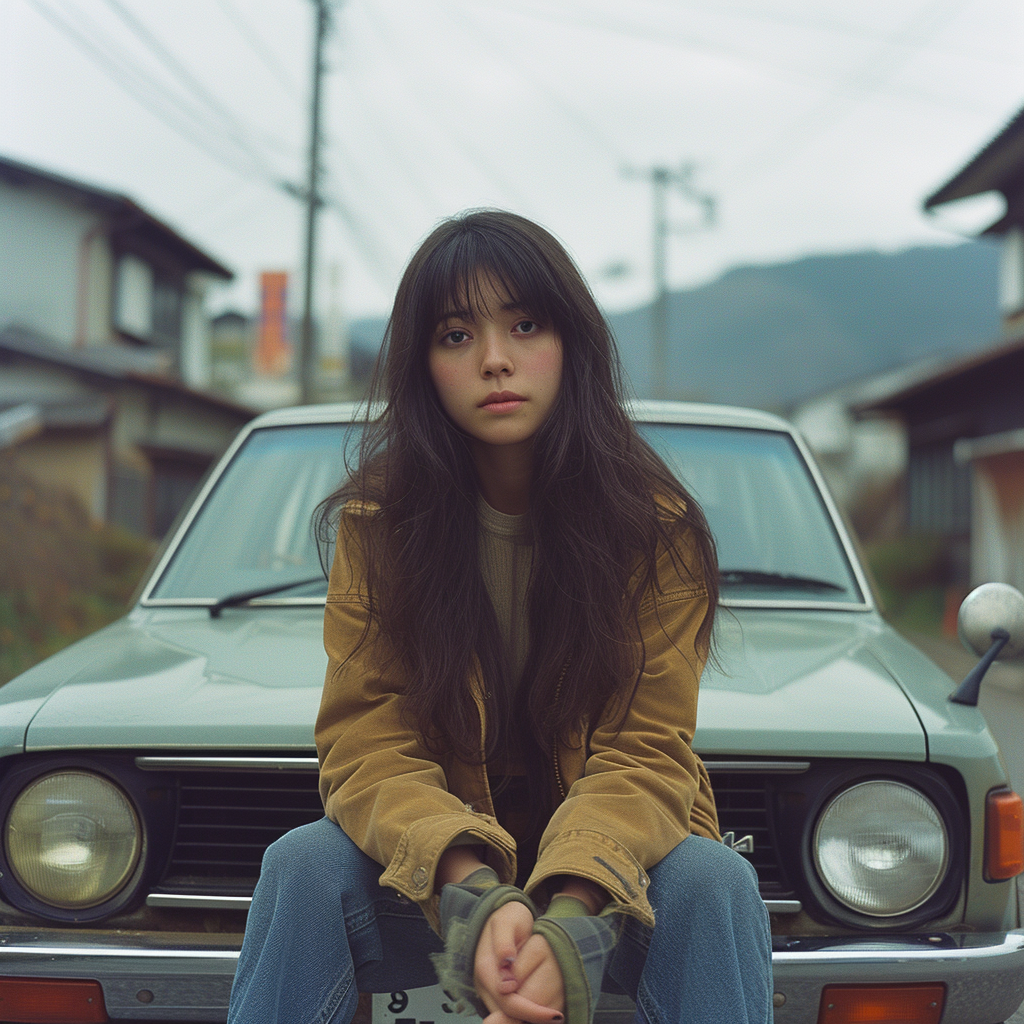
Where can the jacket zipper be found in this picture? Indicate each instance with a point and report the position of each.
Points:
(554, 742)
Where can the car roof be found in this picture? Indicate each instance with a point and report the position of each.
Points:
(643, 411)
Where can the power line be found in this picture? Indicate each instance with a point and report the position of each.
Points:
(816, 23)
(569, 111)
(620, 26)
(365, 238)
(195, 126)
(869, 77)
(151, 95)
(786, 143)
(229, 123)
(381, 261)
(259, 47)
(483, 163)
(386, 139)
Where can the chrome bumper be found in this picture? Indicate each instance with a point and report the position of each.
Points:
(983, 974)
(150, 976)
(167, 980)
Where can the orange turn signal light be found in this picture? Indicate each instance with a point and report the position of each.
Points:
(51, 1001)
(881, 1004)
(1004, 835)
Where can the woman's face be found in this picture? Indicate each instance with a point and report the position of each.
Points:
(497, 370)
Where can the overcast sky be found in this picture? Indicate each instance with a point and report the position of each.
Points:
(816, 125)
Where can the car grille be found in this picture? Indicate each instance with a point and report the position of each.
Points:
(742, 802)
(225, 822)
(226, 819)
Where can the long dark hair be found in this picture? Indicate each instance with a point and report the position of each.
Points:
(603, 506)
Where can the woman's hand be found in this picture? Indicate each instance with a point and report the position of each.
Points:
(539, 977)
(516, 975)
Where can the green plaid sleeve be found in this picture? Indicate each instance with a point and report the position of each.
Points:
(582, 946)
(465, 908)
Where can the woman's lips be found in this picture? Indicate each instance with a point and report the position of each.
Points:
(502, 401)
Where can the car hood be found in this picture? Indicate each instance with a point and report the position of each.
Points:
(251, 678)
(793, 683)
(806, 684)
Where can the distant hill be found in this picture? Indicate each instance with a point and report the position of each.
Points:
(770, 336)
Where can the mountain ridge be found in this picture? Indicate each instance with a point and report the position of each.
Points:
(772, 335)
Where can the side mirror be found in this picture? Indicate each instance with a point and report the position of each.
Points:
(991, 624)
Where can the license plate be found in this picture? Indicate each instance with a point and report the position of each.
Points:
(416, 1006)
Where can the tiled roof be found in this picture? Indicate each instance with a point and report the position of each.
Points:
(145, 367)
(1006, 350)
(999, 166)
(18, 174)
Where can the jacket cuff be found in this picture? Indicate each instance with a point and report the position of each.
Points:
(586, 853)
(414, 864)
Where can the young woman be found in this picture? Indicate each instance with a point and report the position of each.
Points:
(520, 606)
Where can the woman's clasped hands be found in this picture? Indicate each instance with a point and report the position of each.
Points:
(515, 972)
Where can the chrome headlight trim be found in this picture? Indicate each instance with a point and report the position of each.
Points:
(881, 848)
(72, 839)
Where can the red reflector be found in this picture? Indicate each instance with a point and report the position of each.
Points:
(1004, 835)
(881, 1004)
(51, 1001)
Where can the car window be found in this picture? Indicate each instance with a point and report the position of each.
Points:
(775, 538)
(254, 529)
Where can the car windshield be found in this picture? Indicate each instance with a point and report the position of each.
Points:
(254, 529)
(775, 538)
(776, 541)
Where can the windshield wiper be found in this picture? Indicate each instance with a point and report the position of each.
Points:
(777, 579)
(248, 595)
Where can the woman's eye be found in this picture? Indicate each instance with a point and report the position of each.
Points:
(527, 327)
(455, 337)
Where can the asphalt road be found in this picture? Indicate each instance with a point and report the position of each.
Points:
(1002, 703)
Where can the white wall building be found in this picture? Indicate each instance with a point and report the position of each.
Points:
(85, 266)
(104, 348)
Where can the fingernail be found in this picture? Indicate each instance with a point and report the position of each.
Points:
(557, 1017)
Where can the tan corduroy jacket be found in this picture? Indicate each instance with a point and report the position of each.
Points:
(627, 799)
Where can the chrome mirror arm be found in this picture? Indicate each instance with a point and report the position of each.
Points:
(967, 692)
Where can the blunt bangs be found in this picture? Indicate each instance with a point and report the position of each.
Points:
(453, 273)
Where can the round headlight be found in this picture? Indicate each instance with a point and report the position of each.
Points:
(880, 848)
(72, 839)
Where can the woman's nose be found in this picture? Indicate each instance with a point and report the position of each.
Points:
(497, 359)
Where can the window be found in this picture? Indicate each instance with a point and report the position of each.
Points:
(133, 297)
(167, 310)
(939, 492)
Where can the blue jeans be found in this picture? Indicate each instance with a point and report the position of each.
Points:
(321, 930)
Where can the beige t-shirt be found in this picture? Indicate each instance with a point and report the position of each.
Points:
(506, 557)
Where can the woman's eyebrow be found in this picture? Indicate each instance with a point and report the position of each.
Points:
(470, 315)
(456, 314)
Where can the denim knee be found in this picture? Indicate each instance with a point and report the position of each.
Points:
(710, 948)
(318, 856)
(296, 962)
(282, 855)
(708, 957)
(702, 872)
(309, 844)
(318, 876)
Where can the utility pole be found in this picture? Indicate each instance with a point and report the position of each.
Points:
(661, 178)
(307, 330)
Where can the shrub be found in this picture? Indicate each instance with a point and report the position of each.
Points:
(61, 576)
(912, 575)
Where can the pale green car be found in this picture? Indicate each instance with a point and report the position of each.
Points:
(146, 768)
